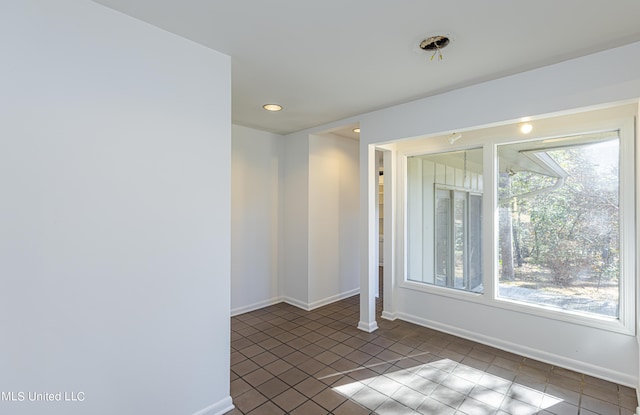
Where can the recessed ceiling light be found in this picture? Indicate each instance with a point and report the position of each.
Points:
(356, 130)
(526, 128)
(272, 107)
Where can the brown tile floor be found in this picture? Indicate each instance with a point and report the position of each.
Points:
(286, 360)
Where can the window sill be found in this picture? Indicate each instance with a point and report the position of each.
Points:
(444, 291)
(592, 321)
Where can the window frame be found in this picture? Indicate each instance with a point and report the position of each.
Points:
(626, 321)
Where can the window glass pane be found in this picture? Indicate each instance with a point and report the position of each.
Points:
(459, 211)
(475, 243)
(443, 237)
(444, 219)
(559, 223)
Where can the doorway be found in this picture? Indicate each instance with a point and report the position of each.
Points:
(380, 224)
(385, 189)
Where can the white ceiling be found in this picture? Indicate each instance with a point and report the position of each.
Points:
(327, 60)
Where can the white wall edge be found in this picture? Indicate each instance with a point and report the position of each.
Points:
(251, 307)
(217, 408)
(589, 369)
(333, 299)
(389, 316)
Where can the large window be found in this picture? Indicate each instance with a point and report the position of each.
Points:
(543, 225)
(445, 205)
(559, 239)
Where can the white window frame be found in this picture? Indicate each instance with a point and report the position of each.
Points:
(626, 321)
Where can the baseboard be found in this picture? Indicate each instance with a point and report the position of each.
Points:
(333, 299)
(553, 359)
(251, 307)
(368, 327)
(296, 303)
(218, 408)
(320, 303)
(389, 316)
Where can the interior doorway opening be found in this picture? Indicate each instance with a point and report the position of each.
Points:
(380, 222)
(386, 185)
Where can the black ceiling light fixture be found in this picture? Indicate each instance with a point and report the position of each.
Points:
(435, 44)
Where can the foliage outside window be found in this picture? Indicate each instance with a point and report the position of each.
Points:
(541, 223)
(559, 223)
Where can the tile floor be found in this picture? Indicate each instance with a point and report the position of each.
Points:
(288, 361)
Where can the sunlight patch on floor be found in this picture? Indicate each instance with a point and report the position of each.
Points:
(441, 386)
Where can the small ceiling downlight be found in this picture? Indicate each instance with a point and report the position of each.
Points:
(272, 107)
(526, 128)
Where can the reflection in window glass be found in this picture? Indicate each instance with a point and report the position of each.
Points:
(459, 236)
(559, 223)
(475, 241)
(444, 208)
(443, 243)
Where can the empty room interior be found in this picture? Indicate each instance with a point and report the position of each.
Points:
(319, 207)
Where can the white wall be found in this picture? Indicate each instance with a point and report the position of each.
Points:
(320, 213)
(333, 218)
(295, 226)
(115, 214)
(566, 86)
(295, 207)
(256, 160)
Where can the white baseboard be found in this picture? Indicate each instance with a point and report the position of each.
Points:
(568, 363)
(218, 408)
(322, 302)
(296, 303)
(368, 327)
(251, 307)
(333, 299)
(389, 316)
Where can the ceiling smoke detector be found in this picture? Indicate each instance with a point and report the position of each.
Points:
(435, 44)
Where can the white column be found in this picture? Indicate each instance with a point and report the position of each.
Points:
(369, 238)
